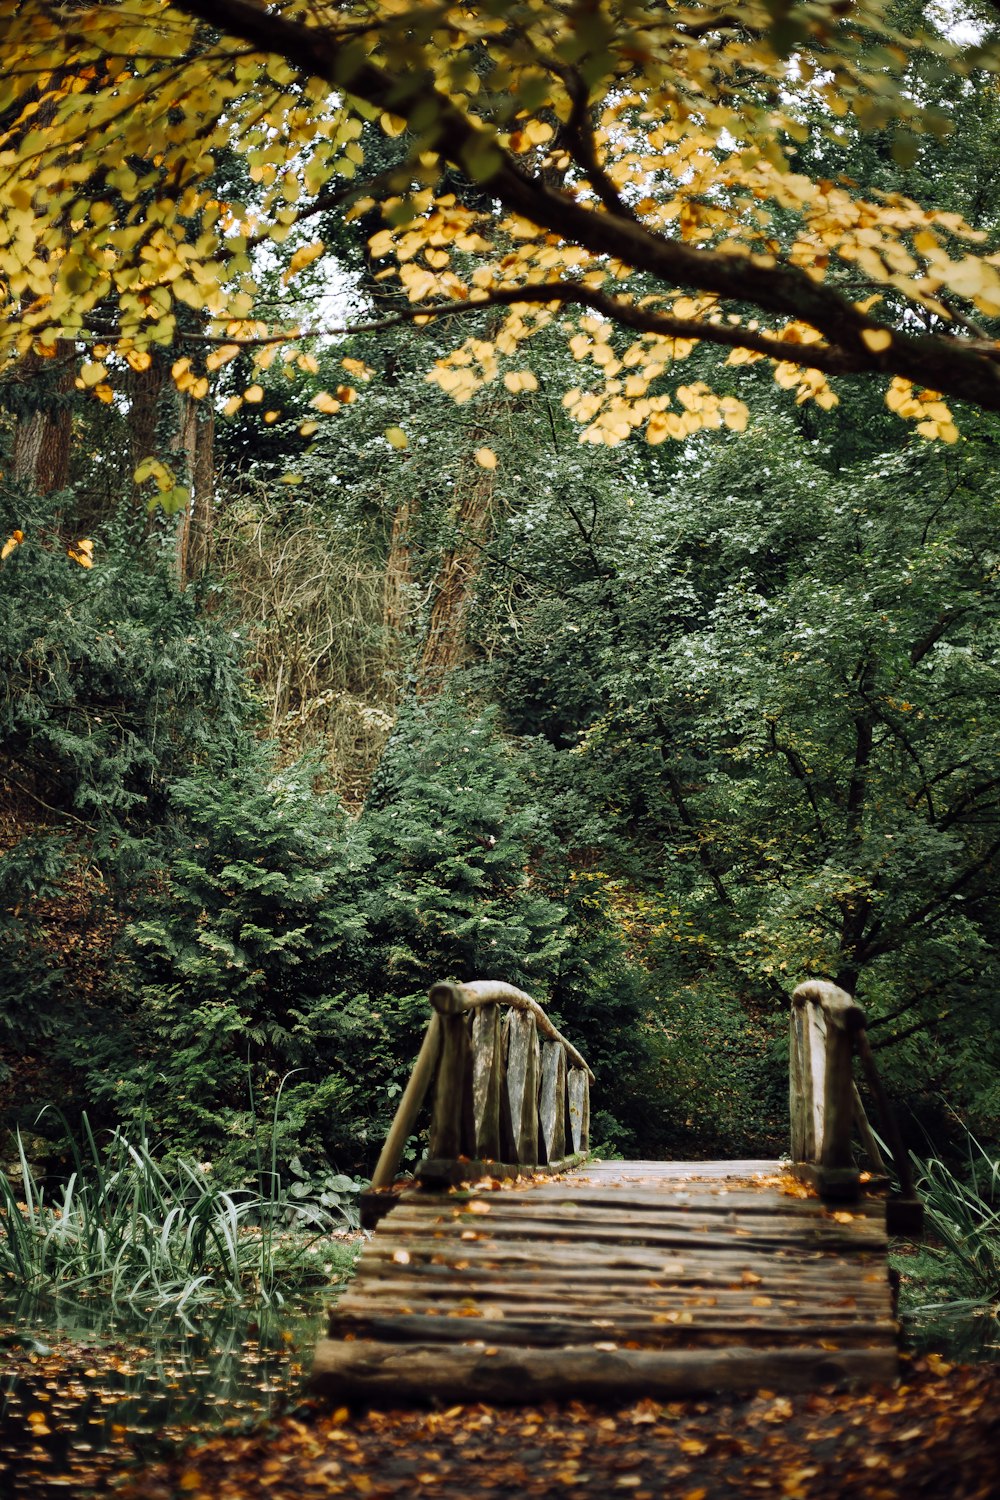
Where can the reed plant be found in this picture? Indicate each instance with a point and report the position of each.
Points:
(963, 1213)
(138, 1231)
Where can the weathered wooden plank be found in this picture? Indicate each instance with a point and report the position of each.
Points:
(578, 1090)
(625, 1302)
(796, 1085)
(486, 1075)
(587, 1250)
(552, 1103)
(671, 1243)
(678, 1174)
(517, 1208)
(838, 1096)
(561, 1326)
(815, 1236)
(754, 1205)
(616, 1296)
(676, 1278)
(372, 1371)
(522, 1084)
(815, 1060)
(535, 1278)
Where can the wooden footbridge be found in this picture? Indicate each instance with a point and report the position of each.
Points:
(515, 1268)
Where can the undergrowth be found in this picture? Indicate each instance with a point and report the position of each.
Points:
(139, 1232)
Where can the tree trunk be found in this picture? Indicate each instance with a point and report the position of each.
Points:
(455, 582)
(199, 554)
(166, 423)
(42, 435)
(399, 569)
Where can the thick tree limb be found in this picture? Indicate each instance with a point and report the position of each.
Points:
(950, 363)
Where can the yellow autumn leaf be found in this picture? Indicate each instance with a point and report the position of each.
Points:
(324, 402)
(91, 372)
(520, 380)
(81, 552)
(485, 458)
(538, 132)
(13, 541)
(221, 356)
(232, 406)
(393, 125)
(308, 428)
(381, 244)
(734, 413)
(304, 256)
(396, 437)
(876, 339)
(271, 417)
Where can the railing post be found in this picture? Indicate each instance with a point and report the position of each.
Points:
(799, 1092)
(844, 1020)
(453, 1070)
(824, 1024)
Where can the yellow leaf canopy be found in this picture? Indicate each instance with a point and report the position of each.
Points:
(623, 169)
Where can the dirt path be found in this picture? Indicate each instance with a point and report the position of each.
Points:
(936, 1434)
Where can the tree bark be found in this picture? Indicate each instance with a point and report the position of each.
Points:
(42, 436)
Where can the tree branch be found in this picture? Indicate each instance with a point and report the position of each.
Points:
(952, 364)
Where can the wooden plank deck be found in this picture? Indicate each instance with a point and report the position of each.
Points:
(621, 1278)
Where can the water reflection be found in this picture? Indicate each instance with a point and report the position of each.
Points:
(84, 1388)
(964, 1332)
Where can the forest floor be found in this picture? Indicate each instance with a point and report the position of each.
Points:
(935, 1434)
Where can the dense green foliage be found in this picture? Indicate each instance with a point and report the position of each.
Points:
(654, 732)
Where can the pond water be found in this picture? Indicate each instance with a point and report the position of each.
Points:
(85, 1389)
(963, 1332)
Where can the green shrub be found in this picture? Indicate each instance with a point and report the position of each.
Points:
(251, 953)
(112, 683)
(113, 680)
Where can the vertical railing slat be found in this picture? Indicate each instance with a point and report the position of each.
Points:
(552, 1103)
(578, 1088)
(522, 1085)
(486, 1079)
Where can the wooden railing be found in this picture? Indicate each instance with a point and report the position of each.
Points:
(510, 1092)
(828, 1029)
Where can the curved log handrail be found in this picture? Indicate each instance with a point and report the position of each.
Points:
(448, 999)
(502, 1097)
